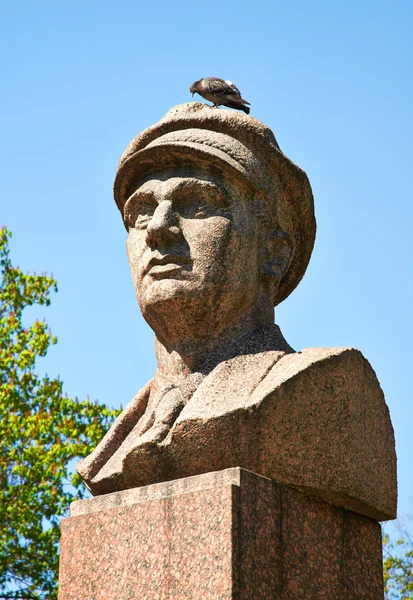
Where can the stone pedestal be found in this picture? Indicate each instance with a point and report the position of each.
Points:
(224, 535)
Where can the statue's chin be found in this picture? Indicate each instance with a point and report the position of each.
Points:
(167, 292)
(174, 304)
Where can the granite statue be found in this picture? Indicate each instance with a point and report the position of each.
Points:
(221, 228)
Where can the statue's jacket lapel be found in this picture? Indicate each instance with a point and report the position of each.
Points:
(227, 388)
(90, 466)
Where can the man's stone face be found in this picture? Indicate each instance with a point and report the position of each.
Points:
(195, 250)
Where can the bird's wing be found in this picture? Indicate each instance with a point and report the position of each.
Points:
(233, 87)
(235, 94)
(220, 87)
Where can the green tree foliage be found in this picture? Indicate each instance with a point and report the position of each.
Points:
(41, 432)
(398, 567)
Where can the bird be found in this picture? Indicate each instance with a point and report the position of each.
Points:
(219, 91)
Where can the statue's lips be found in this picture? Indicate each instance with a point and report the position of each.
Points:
(167, 264)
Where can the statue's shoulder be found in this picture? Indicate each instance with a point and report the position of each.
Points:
(315, 419)
(338, 370)
(247, 380)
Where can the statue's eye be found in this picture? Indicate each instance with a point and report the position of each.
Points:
(202, 212)
(194, 211)
(142, 221)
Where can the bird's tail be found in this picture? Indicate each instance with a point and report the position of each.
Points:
(239, 106)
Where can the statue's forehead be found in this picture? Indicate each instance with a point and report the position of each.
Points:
(181, 179)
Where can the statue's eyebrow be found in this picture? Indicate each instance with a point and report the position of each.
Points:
(219, 198)
(139, 195)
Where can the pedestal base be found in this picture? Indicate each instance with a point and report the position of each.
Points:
(225, 535)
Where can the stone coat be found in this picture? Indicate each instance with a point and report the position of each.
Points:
(315, 420)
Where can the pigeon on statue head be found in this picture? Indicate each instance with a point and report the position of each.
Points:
(220, 91)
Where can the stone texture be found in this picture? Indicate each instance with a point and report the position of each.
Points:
(316, 419)
(226, 535)
(220, 229)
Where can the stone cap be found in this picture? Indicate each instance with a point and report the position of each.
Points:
(241, 145)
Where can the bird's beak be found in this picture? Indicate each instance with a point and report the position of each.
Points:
(193, 94)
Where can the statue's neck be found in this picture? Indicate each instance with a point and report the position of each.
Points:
(203, 353)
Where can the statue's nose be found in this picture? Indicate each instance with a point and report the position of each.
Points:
(164, 226)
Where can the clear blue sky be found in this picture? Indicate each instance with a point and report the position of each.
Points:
(334, 82)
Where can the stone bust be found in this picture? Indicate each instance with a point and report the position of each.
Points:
(220, 230)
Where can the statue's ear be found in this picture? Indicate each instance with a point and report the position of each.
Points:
(278, 253)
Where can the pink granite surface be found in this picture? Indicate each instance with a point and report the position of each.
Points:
(231, 534)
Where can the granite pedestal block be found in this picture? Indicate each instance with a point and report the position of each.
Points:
(224, 535)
